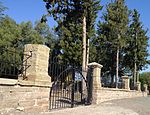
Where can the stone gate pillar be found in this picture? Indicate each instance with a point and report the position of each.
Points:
(145, 88)
(126, 82)
(37, 64)
(138, 85)
(96, 81)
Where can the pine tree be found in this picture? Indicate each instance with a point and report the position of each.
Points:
(44, 30)
(10, 33)
(29, 34)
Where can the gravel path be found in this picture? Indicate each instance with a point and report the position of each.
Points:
(134, 106)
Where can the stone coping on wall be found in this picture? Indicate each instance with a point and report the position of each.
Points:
(94, 64)
(12, 82)
(4, 81)
(116, 89)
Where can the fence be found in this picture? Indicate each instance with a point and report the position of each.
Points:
(39, 93)
(107, 82)
(12, 64)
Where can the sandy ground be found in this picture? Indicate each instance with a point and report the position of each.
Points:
(136, 106)
(96, 110)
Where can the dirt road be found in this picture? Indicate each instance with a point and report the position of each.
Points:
(134, 106)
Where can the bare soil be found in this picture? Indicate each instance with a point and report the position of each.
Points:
(134, 106)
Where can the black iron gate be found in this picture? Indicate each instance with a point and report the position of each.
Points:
(69, 87)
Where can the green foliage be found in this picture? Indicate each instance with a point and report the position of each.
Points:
(17, 35)
(117, 20)
(137, 44)
(2, 9)
(10, 33)
(29, 35)
(48, 37)
(14, 36)
(70, 43)
(69, 16)
(93, 7)
(145, 78)
(112, 36)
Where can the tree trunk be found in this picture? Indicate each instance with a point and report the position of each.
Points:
(84, 72)
(134, 78)
(137, 76)
(135, 64)
(117, 66)
(84, 48)
(87, 55)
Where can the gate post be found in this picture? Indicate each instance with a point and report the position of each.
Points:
(126, 82)
(138, 86)
(37, 71)
(96, 68)
(145, 88)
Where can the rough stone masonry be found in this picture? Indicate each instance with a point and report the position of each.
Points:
(32, 93)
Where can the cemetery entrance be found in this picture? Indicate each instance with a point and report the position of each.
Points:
(69, 87)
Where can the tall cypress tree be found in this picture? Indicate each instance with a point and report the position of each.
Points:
(105, 50)
(115, 27)
(69, 15)
(93, 7)
(136, 52)
(2, 9)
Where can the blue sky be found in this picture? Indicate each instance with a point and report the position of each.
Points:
(32, 10)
